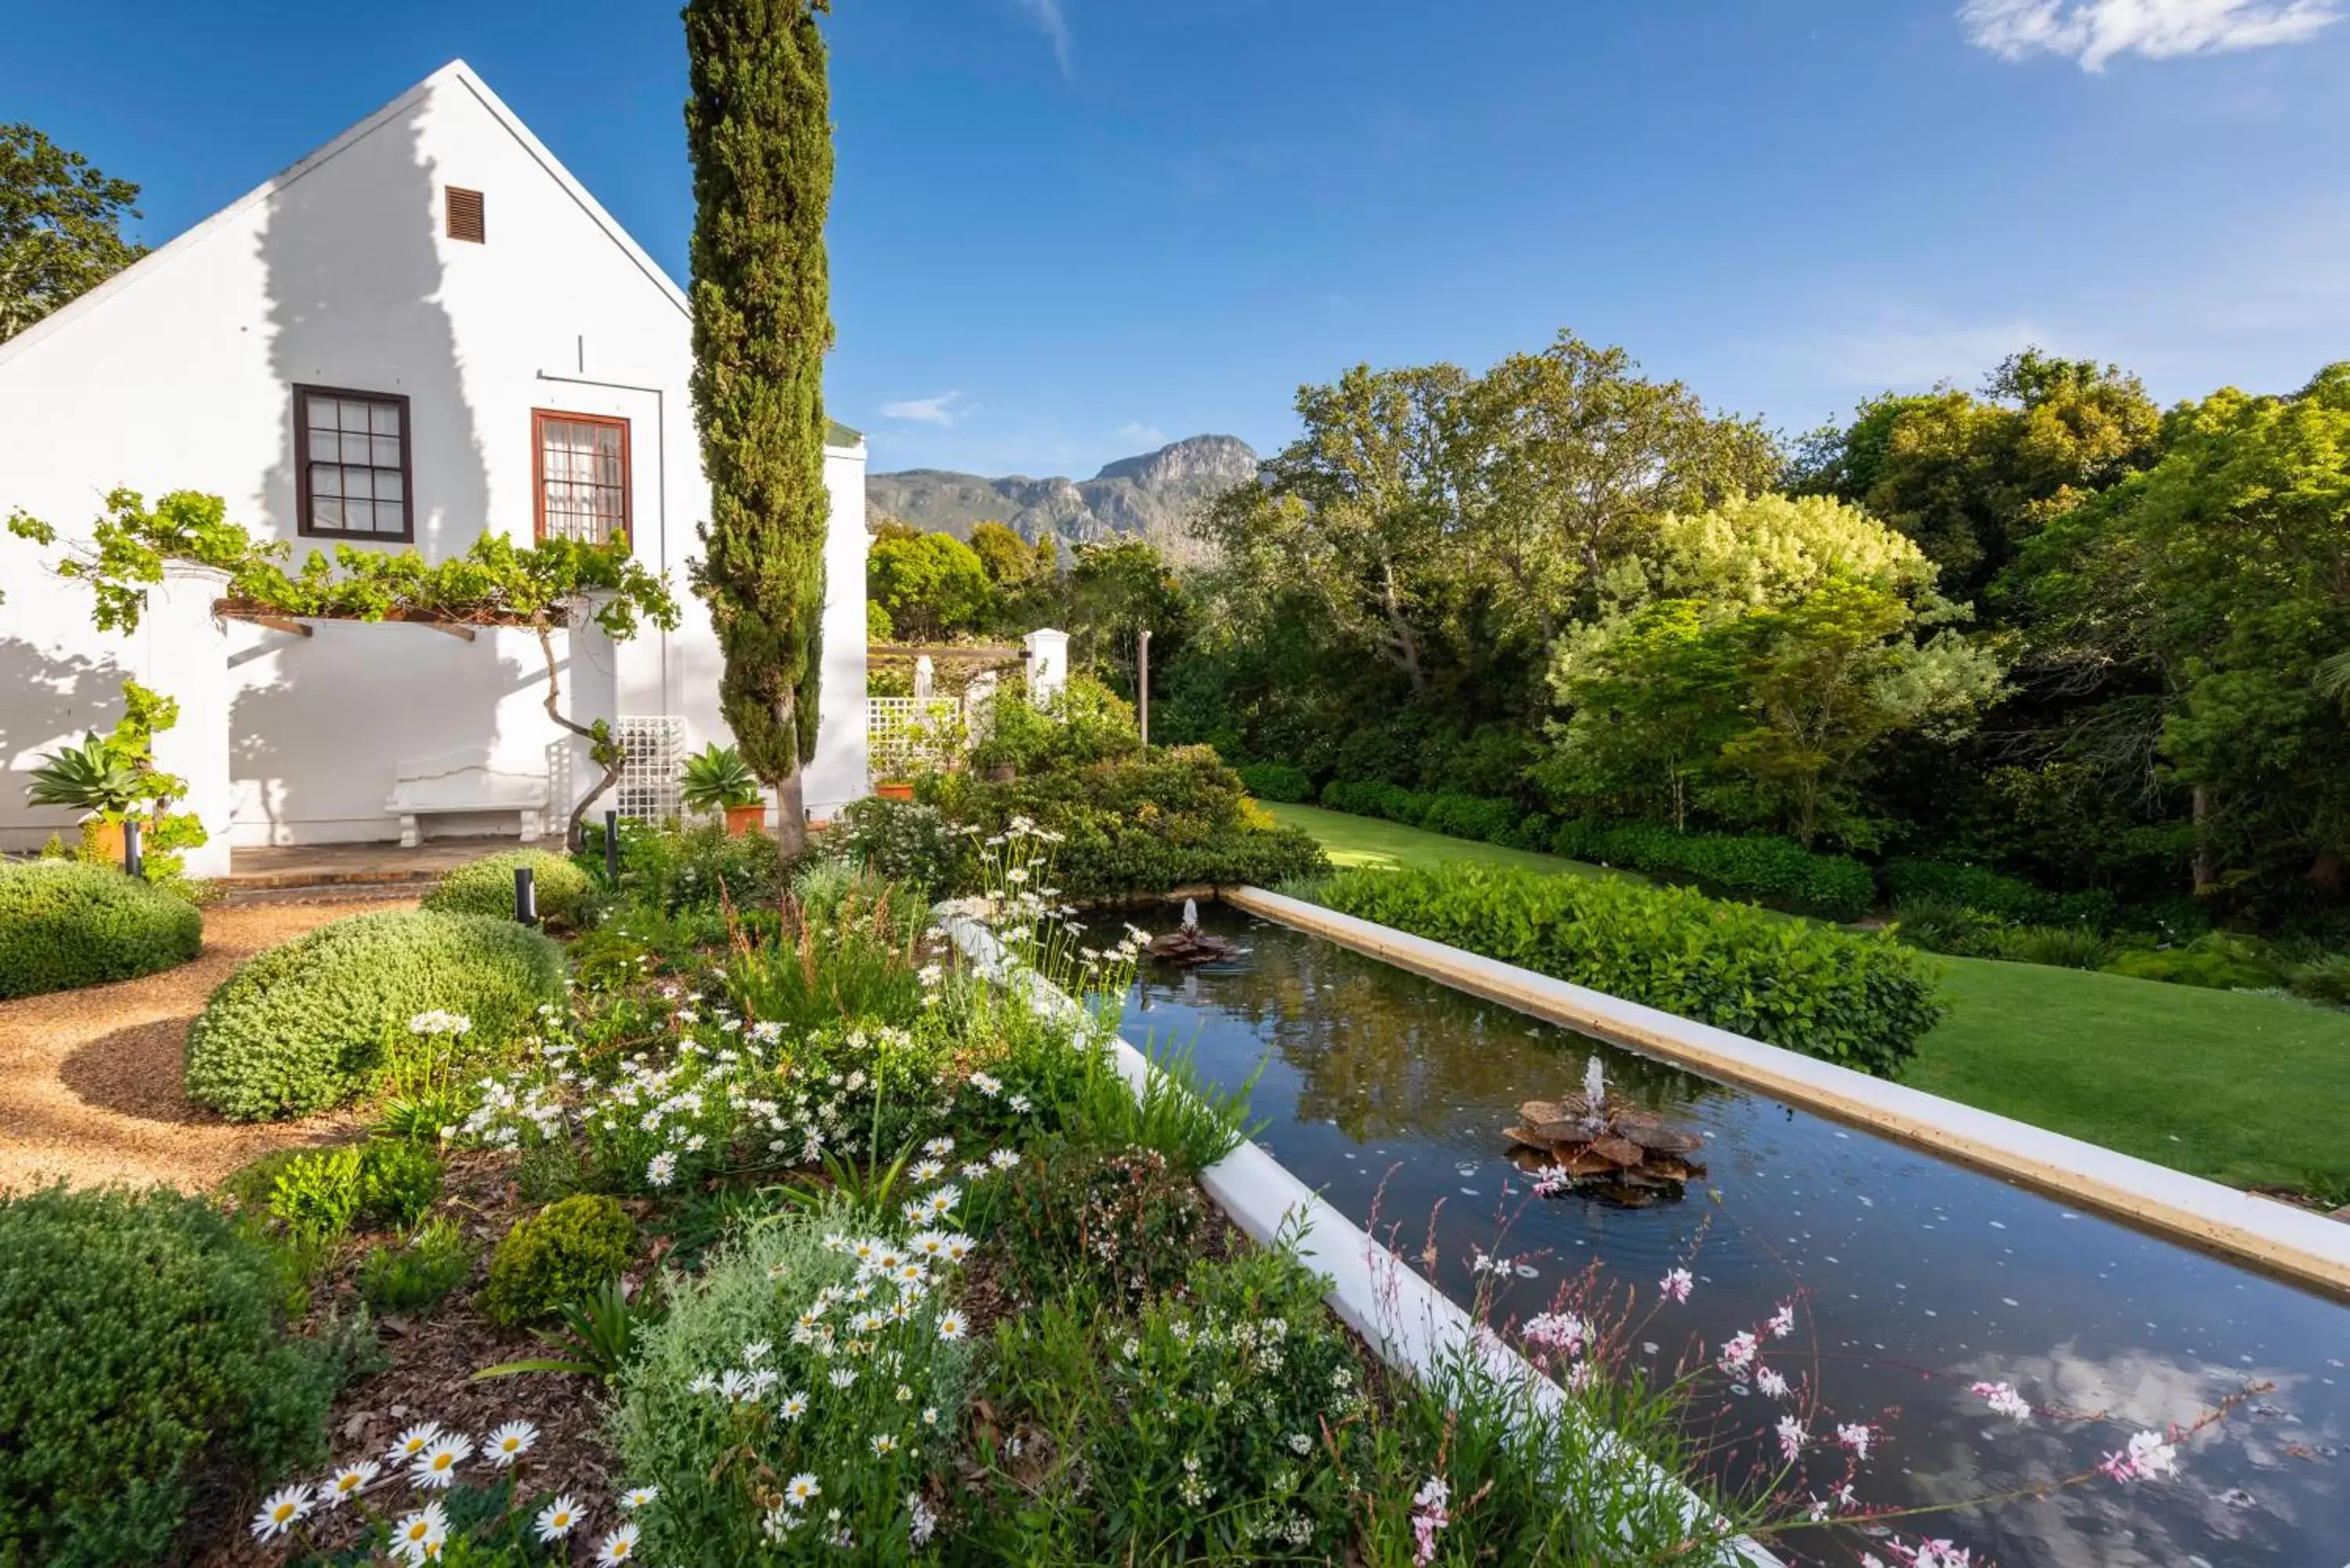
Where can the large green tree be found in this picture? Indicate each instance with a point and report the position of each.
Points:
(933, 586)
(759, 129)
(2200, 604)
(60, 227)
(1971, 476)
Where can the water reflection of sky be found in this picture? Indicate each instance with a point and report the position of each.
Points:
(1390, 1091)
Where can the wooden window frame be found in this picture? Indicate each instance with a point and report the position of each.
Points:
(539, 418)
(303, 392)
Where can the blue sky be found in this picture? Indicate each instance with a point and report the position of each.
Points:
(1064, 229)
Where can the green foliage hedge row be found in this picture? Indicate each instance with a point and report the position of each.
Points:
(2008, 898)
(68, 923)
(1277, 782)
(1776, 871)
(142, 1361)
(1860, 1001)
(486, 887)
(1491, 819)
(1176, 817)
(306, 1026)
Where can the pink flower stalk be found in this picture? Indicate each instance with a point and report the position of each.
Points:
(1676, 1285)
(1855, 1437)
(1782, 1321)
(2152, 1456)
(1428, 1517)
(1739, 1353)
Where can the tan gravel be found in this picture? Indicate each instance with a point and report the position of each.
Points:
(90, 1079)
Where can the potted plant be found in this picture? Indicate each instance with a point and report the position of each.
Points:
(96, 779)
(717, 779)
(899, 788)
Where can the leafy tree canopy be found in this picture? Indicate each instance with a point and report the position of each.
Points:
(60, 227)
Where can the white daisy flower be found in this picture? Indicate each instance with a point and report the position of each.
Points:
(619, 1547)
(794, 1407)
(952, 1324)
(884, 1443)
(413, 1441)
(436, 1467)
(348, 1482)
(281, 1510)
(510, 1442)
(802, 1490)
(556, 1520)
(420, 1535)
(637, 1497)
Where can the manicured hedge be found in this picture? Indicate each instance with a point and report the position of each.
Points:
(305, 1027)
(1146, 825)
(486, 887)
(1276, 782)
(141, 1362)
(68, 923)
(1776, 871)
(1860, 1001)
(2009, 898)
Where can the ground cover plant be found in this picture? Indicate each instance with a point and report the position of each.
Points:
(486, 887)
(67, 923)
(313, 1023)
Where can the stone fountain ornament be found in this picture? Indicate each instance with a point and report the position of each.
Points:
(1190, 945)
(1587, 1142)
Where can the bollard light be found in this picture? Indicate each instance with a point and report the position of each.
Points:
(133, 861)
(526, 896)
(612, 847)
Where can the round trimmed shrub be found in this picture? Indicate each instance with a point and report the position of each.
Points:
(485, 886)
(68, 923)
(306, 1026)
(143, 1362)
(567, 1250)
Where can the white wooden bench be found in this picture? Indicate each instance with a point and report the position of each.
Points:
(463, 781)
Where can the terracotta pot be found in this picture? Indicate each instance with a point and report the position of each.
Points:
(742, 819)
(105, 839)
(895, 789)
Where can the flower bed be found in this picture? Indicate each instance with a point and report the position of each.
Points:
(821, 1245)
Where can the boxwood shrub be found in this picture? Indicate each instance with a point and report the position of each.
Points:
(1860, 1001)
(1487, 819)
(555, 1256)
(67, 923)
(1276, 782)
(486, 887)
(306, 1026)
(1175, 818)
(143, 1363)
(1775, 871)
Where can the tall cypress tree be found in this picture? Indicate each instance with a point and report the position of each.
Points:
(758, 128)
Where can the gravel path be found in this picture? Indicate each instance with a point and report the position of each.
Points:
(90, 1079)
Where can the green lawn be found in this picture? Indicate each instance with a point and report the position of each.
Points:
(2242, 1089)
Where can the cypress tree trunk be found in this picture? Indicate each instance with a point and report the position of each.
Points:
(758, 128)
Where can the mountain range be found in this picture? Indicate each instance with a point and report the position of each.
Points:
(1157, 496)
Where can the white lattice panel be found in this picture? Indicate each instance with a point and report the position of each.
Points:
(656, 753)
(902, 733)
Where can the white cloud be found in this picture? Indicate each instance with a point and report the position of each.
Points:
(1055, 23)
(2094, 31)
(942, 410)
(1135, 434)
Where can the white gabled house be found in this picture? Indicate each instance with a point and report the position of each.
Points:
(424, 330)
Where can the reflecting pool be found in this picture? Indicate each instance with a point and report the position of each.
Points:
(1918, 1279)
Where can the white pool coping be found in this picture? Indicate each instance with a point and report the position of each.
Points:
(1415, 1327)
(2297, 1245)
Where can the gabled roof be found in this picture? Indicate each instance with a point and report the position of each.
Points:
(456, 74)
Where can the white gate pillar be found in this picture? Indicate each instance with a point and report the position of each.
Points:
(1048, 663)
(185, 658)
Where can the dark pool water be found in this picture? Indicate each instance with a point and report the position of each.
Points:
(1388, 1091)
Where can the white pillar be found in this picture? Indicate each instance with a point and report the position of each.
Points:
(1048, 663)
(184, 657)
